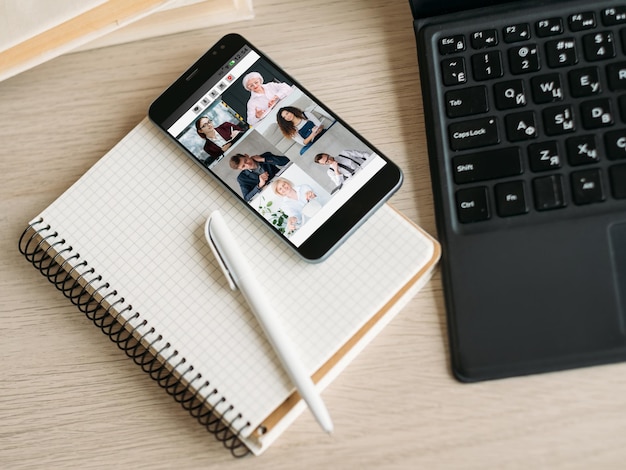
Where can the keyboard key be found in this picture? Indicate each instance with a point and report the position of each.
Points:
(546, 88)
(559, 120)
(485, 38)
(548, 192)
(510, 94)
(616, 76)
(615, 144)
(453, 71)
(582, 21)
(511, 198)
(466, 101)
(599, 46)
(561, 52)
(617, 176)
(472, 134)
(487, 65)
(582, 150)
(549, 27)
(521, 126)
(524, 59)
(584, 82)
(544, 156)
(587, 187)
(613, 16)
(596, 114)
(535, 111)
(472, 205)
(516, 32)
(452, 44)
(481, 166)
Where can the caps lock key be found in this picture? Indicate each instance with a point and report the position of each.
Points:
(475, 133)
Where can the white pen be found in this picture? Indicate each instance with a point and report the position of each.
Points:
(239, 275)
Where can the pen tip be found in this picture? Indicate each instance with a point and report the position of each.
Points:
(325, 422)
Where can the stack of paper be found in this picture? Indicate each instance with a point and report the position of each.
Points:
(33, 31)
(178, 16)
(21, 20)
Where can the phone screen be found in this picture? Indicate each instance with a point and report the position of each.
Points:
(271, 143)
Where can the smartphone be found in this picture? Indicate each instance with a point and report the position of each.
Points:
(293, 162)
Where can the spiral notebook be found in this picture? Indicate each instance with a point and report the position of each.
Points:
(126, 240)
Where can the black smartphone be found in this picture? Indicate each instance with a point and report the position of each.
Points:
(285, 155)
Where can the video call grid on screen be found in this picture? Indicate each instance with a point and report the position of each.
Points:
(317, 190)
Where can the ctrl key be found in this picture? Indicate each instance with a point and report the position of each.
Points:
(472, 205)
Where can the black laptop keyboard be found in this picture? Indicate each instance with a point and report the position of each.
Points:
(535, 113)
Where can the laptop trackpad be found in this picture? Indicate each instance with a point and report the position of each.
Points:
(617, 235)
(542, 298)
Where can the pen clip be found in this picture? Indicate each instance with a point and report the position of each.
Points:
(218, 255)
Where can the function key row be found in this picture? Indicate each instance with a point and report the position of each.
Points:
(543, 28)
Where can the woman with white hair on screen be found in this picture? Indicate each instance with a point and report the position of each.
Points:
(263, 96)
(298, 202)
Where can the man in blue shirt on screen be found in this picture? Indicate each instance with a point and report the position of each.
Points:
(256, 171)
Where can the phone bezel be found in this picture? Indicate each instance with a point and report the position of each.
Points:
(347, 218)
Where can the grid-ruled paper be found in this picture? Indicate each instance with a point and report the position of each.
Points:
(137, 218)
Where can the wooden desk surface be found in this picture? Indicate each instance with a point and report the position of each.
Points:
(70, 399)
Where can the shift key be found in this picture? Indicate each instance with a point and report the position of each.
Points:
(481, 166)
(472, 134)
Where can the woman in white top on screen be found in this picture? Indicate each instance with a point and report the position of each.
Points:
(263, 96)
(295, 200)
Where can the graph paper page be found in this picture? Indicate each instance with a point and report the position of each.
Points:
(137, 217)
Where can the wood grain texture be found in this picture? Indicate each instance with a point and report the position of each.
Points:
(71, 399)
